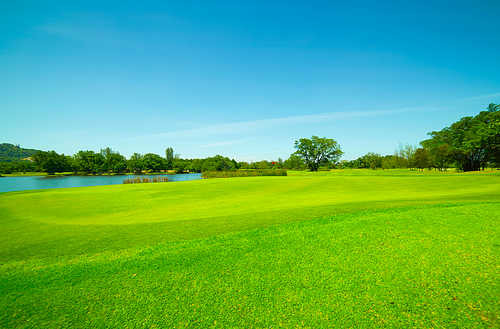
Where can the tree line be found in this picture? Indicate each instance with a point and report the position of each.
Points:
(108, 161)
(472, 143)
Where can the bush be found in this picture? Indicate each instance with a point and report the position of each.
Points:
(136, 180)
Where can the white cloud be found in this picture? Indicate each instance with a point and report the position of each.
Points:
(270, 124)
(267, 124)
(228, 142)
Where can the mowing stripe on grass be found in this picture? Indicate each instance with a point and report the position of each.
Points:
(426, 266)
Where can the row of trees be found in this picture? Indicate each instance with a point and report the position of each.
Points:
(109, 161)
(472, 143)
(404, 157)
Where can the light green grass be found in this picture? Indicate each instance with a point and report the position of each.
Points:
(355, 248)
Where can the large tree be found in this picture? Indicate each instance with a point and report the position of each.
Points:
(113, 161)
(50, 162)
(471, 142)
(153, 162)
(89, 162)
(135, 163)
(318, 151)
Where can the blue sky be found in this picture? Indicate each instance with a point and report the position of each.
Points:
(242, 79)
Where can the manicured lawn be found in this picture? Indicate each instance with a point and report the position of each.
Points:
(352, 248)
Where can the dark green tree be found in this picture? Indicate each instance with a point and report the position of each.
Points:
(370, 160)
(152, 162)
(295, 161)
(471, 142)
(89, 162)
(317, 151)
(217, 163)
(169, 156)
(50, 162)
(421, 158)
(195, 165)
(111, 160)
(135, 163)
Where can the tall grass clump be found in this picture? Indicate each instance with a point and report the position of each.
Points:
(244, 173)
(136, 180)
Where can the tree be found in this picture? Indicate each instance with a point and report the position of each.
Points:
(50, 162)
(471, 142)
(371, 160)
(279, 164)
(169, 155)
(113, 161)
(421, 158)
(317, 151)
(218, 163)
(89, 162)
(195, 165)
(135, 163)
(152, 162)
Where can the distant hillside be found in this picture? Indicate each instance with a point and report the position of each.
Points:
(9, 152)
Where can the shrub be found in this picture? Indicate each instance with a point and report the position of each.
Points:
(136, 180)
(244, 173)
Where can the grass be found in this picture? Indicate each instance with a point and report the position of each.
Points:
(352, 248)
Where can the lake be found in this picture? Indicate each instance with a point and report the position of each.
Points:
(9, 184)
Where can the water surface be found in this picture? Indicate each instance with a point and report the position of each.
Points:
(9, 184)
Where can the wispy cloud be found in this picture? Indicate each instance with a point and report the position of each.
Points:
(478, 97)
(228, 142)
(270, 124)
(267, 124)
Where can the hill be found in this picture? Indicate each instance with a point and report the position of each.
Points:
(10, 152)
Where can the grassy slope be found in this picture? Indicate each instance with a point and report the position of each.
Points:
(85, 220)
(349, 266)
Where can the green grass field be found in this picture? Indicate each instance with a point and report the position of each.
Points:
(351, 248)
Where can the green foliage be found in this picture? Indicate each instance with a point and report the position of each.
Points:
(296, 162)
(153, 162)
(471, 142)
(218, 163)
(89, 162)
(10, 152)
(404, 156)
(421, 158)
(318, 151)
(244, 173)
(51, 162)
(370, 160)
(169, 157)
(17, 167)
(113, 161)
(135, 163)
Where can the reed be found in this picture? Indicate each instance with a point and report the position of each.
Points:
(244, 173)
(136, 180)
